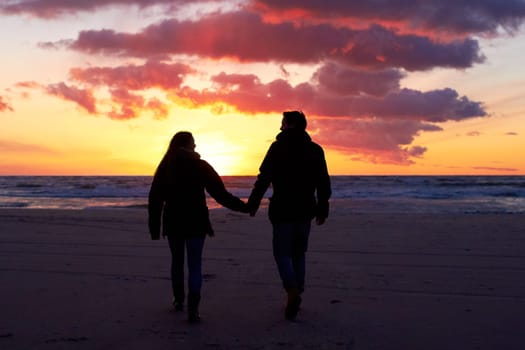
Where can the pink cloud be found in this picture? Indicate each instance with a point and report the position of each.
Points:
(28, 84)
(134, 77)
(4, 105)
(128, 82)
(158, 108)
(82, 97)
(247, 94)
(371, 128)
(126, 104)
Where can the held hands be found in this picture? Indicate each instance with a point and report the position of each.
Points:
(244, 208)
(320, 220)
(249, 208)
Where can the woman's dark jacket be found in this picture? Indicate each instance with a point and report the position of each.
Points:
(296, 168)
(177, 194)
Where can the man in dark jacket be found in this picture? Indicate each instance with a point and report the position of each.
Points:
(296, 168)
(177, 195)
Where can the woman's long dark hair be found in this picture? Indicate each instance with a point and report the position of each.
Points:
(182, 139)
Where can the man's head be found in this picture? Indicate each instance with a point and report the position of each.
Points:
(293, 120)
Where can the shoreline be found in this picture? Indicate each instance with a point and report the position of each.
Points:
(415, 206)
(385, 194)
(93, 279)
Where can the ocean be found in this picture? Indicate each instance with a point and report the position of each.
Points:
(361, 194)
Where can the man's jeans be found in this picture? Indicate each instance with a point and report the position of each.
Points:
(194, 247)
(290, 243)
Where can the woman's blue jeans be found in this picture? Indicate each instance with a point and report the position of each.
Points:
(290, 243)
(193, 247)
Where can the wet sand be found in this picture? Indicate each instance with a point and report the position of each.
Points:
(93, 279)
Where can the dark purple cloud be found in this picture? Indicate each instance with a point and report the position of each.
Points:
(378, 47)
(245, 37)
(373, 140)
(459, 16)
(341, 80)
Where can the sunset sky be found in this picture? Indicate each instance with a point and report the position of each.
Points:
(98, 87)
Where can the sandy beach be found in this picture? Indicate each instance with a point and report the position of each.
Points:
(92, 279)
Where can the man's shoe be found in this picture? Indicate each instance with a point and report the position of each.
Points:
(194, 318)
(193, 308)
(178, 305)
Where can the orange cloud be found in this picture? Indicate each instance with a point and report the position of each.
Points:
(495, 169)
(7, 146)
(125, 85)
(366, 113)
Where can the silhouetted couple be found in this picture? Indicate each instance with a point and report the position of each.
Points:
(294, 166)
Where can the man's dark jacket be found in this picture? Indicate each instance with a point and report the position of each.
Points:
(296, 168)
(177, 194)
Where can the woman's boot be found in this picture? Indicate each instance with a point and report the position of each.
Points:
(193, 308)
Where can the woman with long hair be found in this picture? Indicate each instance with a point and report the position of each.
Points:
(177, 199)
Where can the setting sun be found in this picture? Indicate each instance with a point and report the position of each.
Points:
(220, 153)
